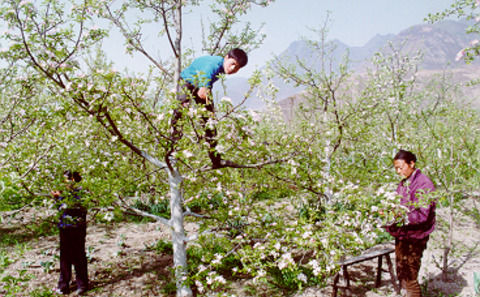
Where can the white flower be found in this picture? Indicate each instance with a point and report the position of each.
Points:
(460, 55)
(259, 246)
(209, 279)
(220, 279)
(202, 268)
(199, 286)
(274, 254)
(277, 246)
(226, 100)
(391, 196)
(285, 260)
(108, 216)
(307, 234)
(220, 148)
(380, 191)
(324, 242)
(217, 260)
(302, 277)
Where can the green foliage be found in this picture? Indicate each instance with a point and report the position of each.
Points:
(47, 266)
(464, 10)
(207, 202)
(5, 261)
(12, 285)
(326, 191)
(44, 291)
(160, 208)
(164, 247)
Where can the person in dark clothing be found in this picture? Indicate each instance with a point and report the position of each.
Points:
(411, 238)
(73, 230)
(198, 81)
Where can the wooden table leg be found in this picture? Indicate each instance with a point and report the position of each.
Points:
(347, 279)
(335, 282)
(379, 272)
(392, 274)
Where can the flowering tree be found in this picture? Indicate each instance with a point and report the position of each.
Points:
(57, 41)
(469, 10)
(16, 123)
(272, 225)
(347, 129)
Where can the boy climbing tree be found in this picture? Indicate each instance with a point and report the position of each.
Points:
(198, 79)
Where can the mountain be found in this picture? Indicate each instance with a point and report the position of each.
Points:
(439, 43)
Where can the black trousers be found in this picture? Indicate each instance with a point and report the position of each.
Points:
(210, 133)
(72, 252)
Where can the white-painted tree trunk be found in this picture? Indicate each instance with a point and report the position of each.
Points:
(178, 234)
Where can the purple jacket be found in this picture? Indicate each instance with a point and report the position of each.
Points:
(421, 220)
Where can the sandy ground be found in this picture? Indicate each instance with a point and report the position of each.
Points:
(124, 264)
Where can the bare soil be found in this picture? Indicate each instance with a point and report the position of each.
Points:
(123, 262)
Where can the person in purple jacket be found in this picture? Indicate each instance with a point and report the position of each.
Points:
(411, 238)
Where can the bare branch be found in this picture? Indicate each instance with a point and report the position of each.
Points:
(135, 41)
(143, 213)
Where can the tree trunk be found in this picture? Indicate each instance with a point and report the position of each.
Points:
(178, 234)
(449, 244)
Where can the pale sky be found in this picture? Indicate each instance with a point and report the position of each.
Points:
(354, 22)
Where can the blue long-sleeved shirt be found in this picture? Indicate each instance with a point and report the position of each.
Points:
(203, 71)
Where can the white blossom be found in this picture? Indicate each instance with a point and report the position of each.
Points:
(226, 100)
(217, 260)
(302, 277)
(285, 260)
(108, 216)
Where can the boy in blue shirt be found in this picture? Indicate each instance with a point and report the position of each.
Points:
(198, 82)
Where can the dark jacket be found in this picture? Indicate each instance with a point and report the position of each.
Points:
(73, 213)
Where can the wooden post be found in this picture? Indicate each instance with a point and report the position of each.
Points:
(347, 278)
(379, 272)
(392, 274)
(335, 282)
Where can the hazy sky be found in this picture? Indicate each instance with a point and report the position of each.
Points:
(353, 22)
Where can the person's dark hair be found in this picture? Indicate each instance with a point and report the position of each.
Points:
(72, 175)
(239, 55)
(406, 156)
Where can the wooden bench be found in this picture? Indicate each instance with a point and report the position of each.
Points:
(380, 254)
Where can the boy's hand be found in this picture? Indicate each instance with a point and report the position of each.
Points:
(203, 93)
(55, 194)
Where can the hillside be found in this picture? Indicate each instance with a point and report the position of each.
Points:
(439, 43)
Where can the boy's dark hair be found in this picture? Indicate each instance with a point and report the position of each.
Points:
(72, 175)
(239, 55)
(406, 156)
